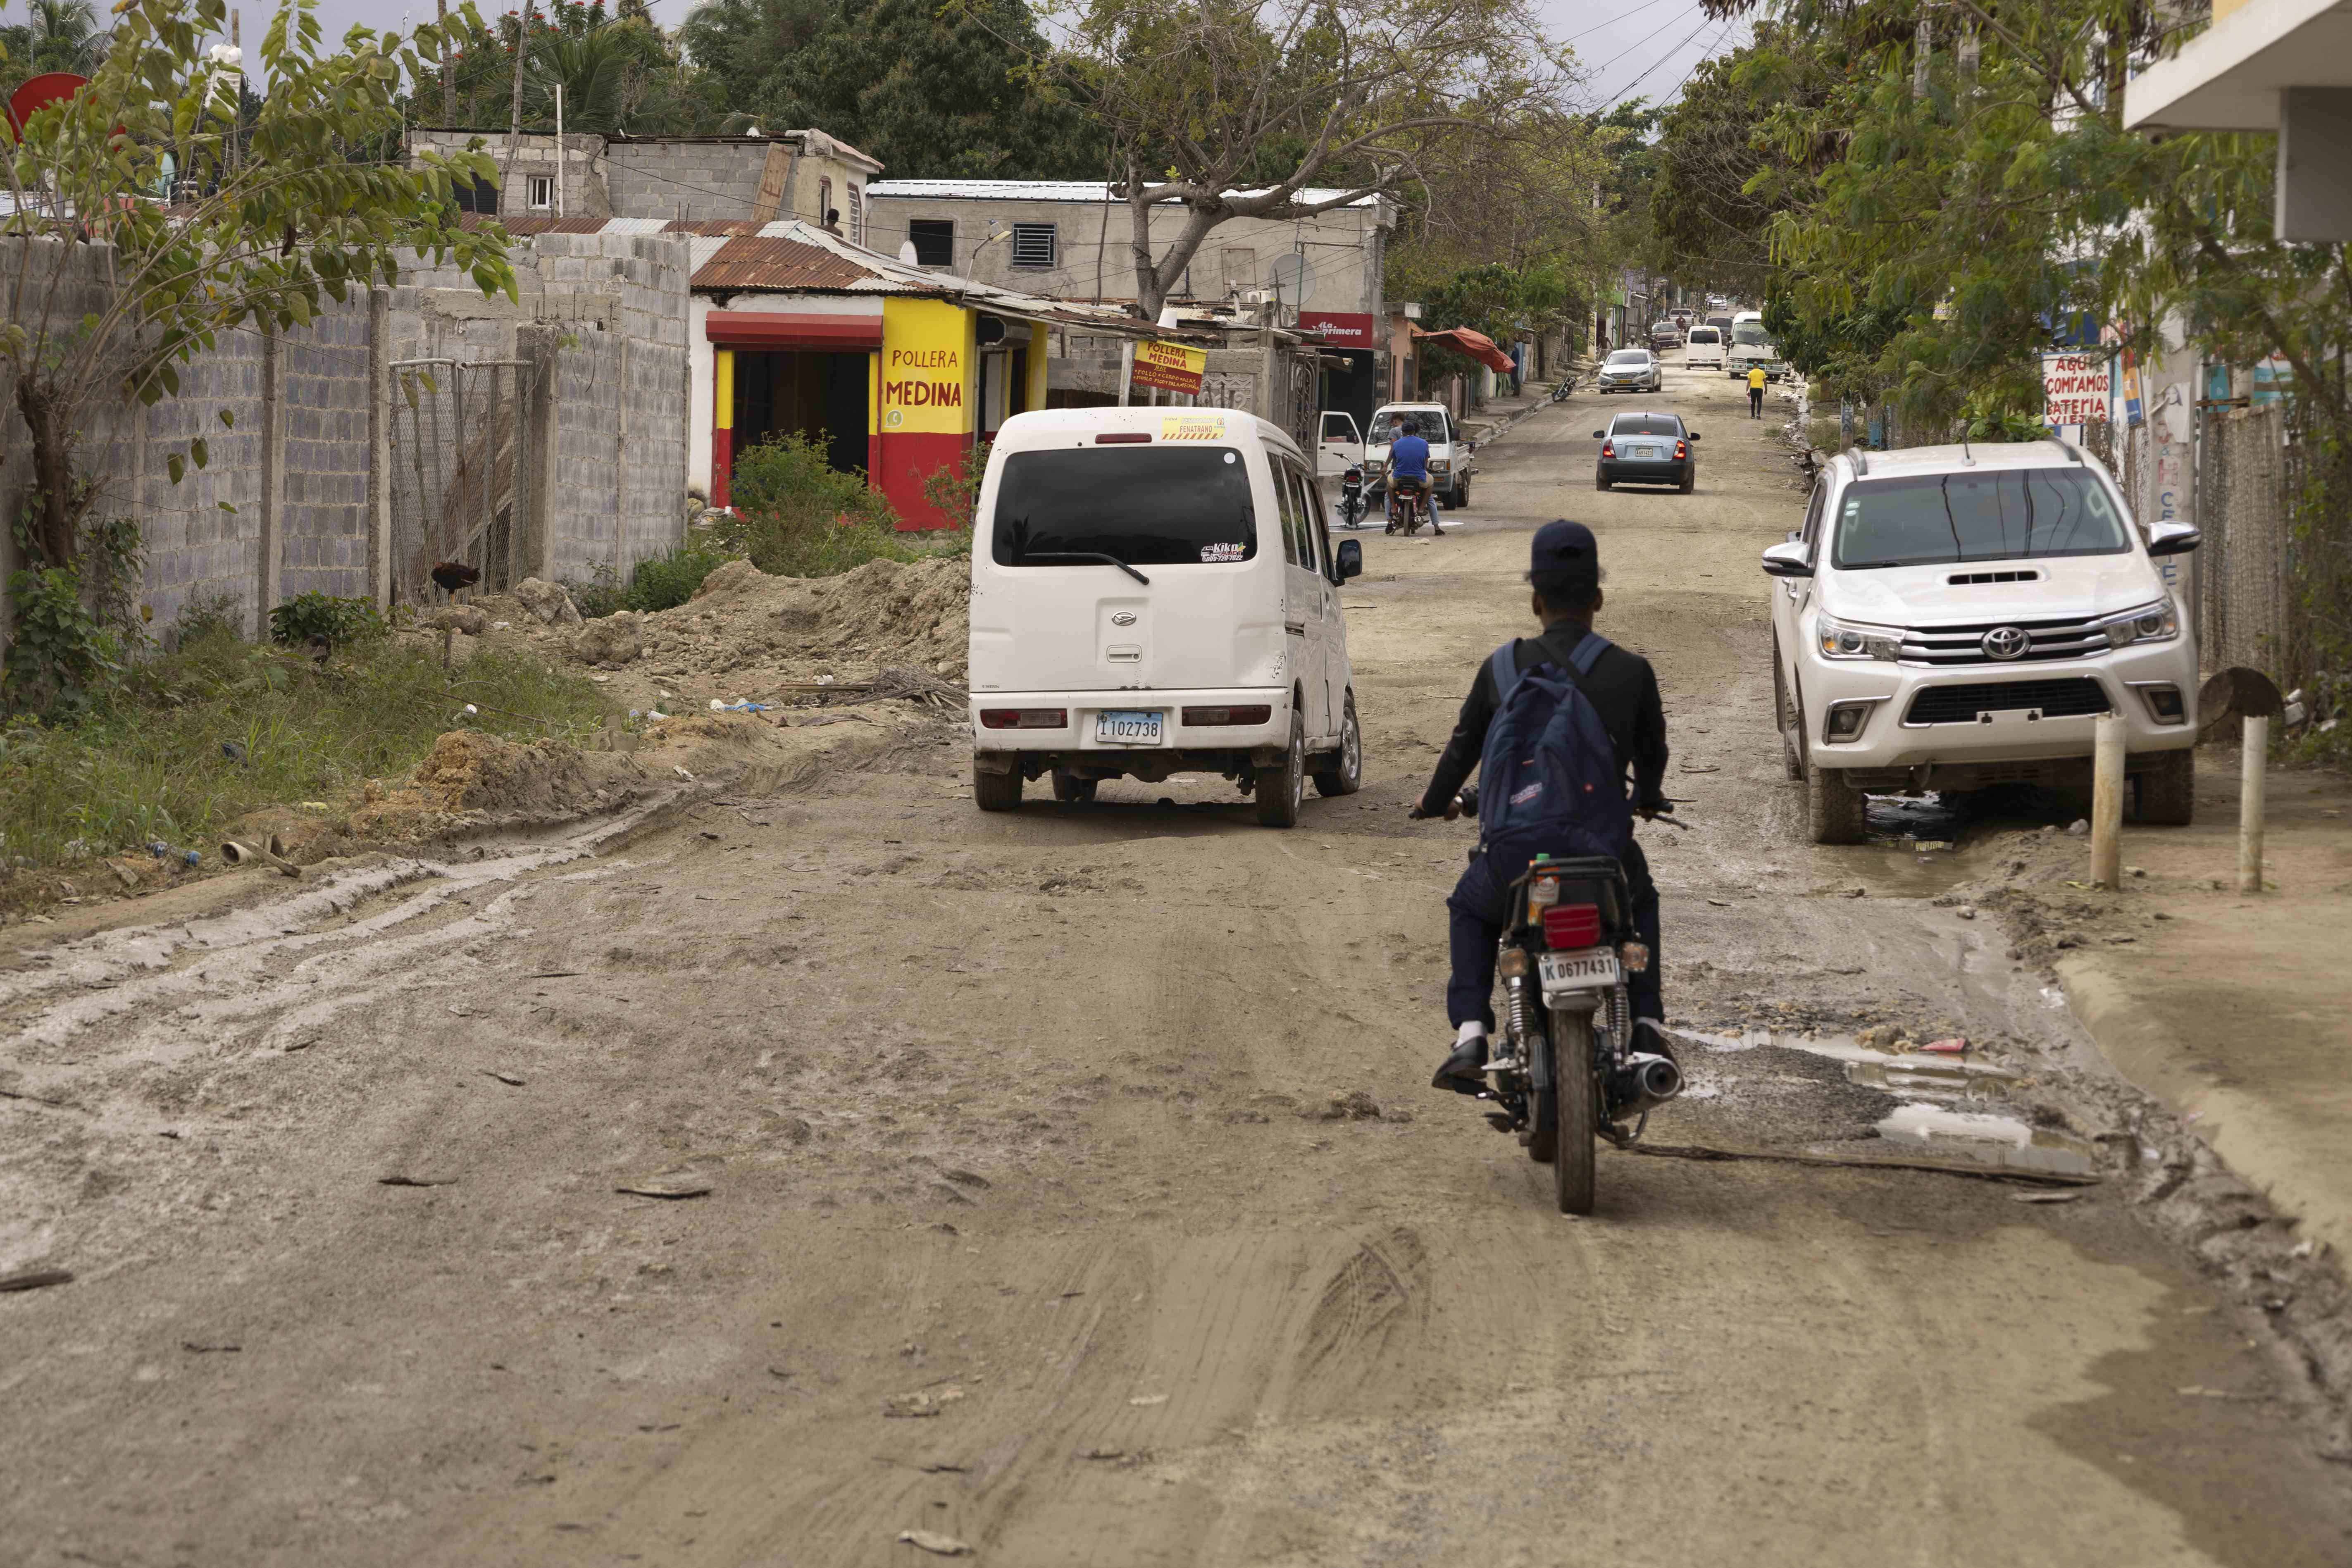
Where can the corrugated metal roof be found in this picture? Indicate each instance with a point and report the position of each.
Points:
(724, 226)
(1092, 191)
(760, 262)
(523, 224)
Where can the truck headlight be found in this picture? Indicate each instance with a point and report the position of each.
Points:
(1839, 640)
(2158, 622)
(1440, 465)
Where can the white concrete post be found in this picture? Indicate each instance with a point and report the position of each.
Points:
(2250, 804)
(2108, 801)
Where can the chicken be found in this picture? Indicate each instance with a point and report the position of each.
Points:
(319, 648)
(455, 575)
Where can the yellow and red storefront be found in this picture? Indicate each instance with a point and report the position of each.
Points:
(898, 387)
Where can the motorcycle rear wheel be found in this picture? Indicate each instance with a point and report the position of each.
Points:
(1578, 1116)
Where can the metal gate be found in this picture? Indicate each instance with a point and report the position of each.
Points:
(461, 472)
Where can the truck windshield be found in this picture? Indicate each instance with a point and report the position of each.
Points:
(1147, 506)
(2003, 515)
(1750, 336)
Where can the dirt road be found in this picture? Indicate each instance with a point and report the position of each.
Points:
(1031, 1219)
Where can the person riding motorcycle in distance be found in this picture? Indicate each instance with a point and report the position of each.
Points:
(1564, 570)
(1408, 459)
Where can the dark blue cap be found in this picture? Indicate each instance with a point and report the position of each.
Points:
(1564, 546)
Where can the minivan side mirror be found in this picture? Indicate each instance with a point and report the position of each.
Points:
(2173, 538)
(1351, 559)
(1787, 560)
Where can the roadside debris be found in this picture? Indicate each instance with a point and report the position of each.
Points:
(2043, 1197)
(672, 1187)
(36, 1279)
(509, 1079)
(936, 1544)
(922, 1403)
(397, 1180)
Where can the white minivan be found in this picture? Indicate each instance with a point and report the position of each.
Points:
(1154, 592)
(1704, 349)
(1954, 617)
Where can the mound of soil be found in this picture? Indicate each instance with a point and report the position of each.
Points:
(470, 770)
(753, 631)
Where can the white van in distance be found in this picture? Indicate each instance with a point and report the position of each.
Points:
(1704, 349)
(1154, 592)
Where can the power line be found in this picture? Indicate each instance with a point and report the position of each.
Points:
(1688, 38)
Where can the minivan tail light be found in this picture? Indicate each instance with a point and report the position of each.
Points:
(1025, 718)
(1205, 717)
(1122, 438)
(1573, 926)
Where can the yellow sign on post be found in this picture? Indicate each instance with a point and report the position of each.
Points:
(1171, 367)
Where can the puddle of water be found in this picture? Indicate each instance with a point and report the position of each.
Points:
(1928, 1075)
(1989, 1139)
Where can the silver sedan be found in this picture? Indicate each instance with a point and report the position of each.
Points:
(1632, 370)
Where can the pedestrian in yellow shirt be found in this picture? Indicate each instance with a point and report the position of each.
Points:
(1756, 391)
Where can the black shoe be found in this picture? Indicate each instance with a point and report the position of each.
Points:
(1465, 1071)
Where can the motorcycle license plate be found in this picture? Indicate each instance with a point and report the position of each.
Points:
(1588, 969)
(1119, 727)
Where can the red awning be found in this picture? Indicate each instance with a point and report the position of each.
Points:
(1477, 345)
(803, 330)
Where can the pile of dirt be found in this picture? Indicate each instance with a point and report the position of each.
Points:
(753, 632)
(470, 770)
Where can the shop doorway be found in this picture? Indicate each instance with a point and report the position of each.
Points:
(820, 397)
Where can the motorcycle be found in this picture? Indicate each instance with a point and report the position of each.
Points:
(1570, 1073)
(1562, 388)
(1351, 497)
(1409, 508)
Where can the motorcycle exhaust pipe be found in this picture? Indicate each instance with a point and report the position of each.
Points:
(1653, 1079)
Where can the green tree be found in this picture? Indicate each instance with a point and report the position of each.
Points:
(1713, 230)
(1234, 108)
(621, 74)
(270, 222)
(931, 91)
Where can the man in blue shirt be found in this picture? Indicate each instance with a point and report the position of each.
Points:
(1408, 459)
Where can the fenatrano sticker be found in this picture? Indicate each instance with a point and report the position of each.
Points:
(1192, 427)
(1224, 551)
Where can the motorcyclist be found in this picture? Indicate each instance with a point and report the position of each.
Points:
(1408, 459)
(1564, 569)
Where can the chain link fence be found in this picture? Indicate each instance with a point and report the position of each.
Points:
(460, 473)
(2245, 606)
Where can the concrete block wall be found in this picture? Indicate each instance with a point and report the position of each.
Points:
(297, 471)
(697, 180)
(323, 521)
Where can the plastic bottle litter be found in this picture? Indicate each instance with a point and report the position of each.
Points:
(746, 707)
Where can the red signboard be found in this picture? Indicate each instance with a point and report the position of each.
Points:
(1340, 329)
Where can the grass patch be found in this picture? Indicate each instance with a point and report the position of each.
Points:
(148, 761)
(660, 581)
(798, 517)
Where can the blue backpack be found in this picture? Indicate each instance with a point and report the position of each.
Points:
(1549, 780)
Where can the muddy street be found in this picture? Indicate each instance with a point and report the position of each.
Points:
(756, 1185)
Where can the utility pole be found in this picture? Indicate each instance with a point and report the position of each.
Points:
(448, 68)
(514, 121)
(1921, 43)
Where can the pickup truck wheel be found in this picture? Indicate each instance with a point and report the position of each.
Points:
(1070, 787)
(1282, 789)
(1791, 722)
(1346, 773)
(996, 792)
(2168, 790)
(1834, 809)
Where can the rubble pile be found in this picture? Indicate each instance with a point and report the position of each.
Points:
(752, 632)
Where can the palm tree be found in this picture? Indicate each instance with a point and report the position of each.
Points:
(58, 36)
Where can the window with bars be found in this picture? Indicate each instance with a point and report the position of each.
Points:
(1035, 244)
(934, 240)
(543, 191)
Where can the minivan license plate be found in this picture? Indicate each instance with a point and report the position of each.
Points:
(1586, 969)
(1119, 728)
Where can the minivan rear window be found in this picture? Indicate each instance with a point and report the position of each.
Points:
(1147, 506)
(1706, 335)
(2003, 514)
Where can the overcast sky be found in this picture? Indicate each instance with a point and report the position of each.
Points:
(1642, 48)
